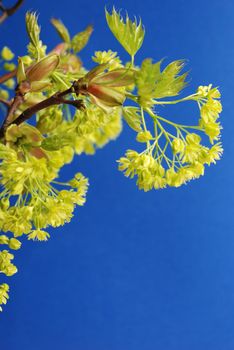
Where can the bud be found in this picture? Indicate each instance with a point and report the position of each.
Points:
(9, 66)
(101, 85)
(178, 146)
(4, 94)
(193, 138)
(4, 239)
(37, 86)
(7, 54)
(4, 203)
(14, 244)
(4, 287)
(144, 136)
(42, 69)
(10, 270)
(10, 83)
(21, 76)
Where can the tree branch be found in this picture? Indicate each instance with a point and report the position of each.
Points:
(7, 76)
(5, 102)
(56, 99)
(6, 12)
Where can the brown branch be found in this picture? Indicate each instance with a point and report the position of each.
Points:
(7, 76)
(5, 102)
(6, 12)
(56, 99)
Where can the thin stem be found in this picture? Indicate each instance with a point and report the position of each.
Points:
(5, 102)
(55, 99)
(7, 76)
(144, 124)
(190, 97)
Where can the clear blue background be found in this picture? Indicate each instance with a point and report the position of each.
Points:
(135, 270)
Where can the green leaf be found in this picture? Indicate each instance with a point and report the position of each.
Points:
(152, 83)
(129, 34)
(35, 48)
(132, 117)
(147, 77)
(80, 40)
(61, 29)
(33, 28)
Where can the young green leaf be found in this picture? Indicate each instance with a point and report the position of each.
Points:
(33, 28)
(147, 77)
(152, 83)
(129, 34)
(61, 29)
(132, 117)
(171, 82)
(35, 48)
(80, 40)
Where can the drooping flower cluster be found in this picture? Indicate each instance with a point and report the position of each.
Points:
(210, 108)
(4, 288)
(173, 159)
(151, 173)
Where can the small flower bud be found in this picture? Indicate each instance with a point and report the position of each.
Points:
(7, 54)
(178, 146)
(9, 66)
(14, 244)
(10, 83)
(144, 136)
(10, 270)
(42, 69)
(4, 239)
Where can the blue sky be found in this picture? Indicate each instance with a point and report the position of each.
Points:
(135, 270)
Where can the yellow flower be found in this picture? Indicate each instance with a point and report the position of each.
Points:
(4, 239)
(5, 263)
(14, 244)
(4, 296)
(212, 130)
(178, 145)
(144, 136)
(38, 235)
(7, 54)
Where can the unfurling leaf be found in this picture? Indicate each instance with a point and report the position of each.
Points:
(33, 28)
(132, 117)
(152, 83)
(35, 48)
(147, 77)
(129, 34)
(61, 29)
(80, 40)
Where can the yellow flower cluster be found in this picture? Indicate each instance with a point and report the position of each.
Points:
(4, 289)
(40, 204)
(110, 57)
(181, 157)
(95, 128)
(151, 173)
(210, 108)
(89, 129)
(6, 265)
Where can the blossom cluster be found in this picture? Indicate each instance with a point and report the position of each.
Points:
(78, 111)
(182, 156)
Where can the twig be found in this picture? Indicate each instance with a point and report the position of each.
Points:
(7, 76)
(56, 99)
(6, 12)
(5, 102)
